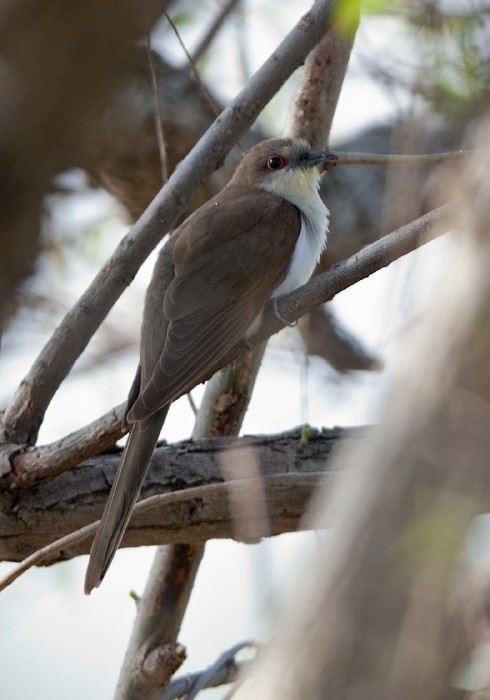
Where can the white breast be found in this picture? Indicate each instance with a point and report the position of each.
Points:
(312, 238)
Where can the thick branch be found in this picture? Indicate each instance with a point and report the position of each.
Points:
(26, 410)
(32, 519)
(37, 464)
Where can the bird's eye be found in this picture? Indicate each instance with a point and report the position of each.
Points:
(275, 162)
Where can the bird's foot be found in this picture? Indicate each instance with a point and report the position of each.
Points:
(277, 313)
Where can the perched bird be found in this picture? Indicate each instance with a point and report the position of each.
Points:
(260, 237)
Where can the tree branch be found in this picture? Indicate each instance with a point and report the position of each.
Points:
(29, 520)
(56, 551)
(313, 107)
(208, 38)
(397, 159)
(209, 678)
(25, 411)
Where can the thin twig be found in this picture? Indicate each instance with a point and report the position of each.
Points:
(212, 31)
(162, 148)
(192, 63)
(192, 403)
(395, 159)
(159, 500)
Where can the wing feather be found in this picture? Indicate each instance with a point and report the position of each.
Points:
(224, 273)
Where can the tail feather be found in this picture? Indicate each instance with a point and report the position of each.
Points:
(124, 492)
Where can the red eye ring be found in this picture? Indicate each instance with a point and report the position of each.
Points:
(275, 162)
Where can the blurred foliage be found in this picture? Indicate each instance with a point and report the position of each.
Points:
(346, 16)
(455, 78)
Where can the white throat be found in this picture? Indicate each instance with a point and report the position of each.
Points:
(300, 187)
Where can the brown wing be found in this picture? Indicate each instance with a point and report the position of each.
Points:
(229, 257)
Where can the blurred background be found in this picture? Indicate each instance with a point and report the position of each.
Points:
(417, 78)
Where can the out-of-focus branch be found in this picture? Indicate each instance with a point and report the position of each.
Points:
(397, 159)
(208, 677)
(313, 107)
(162, 147)
(371, 614)
(25, 411)
(226, 673)
(46, 461)
(213, 29)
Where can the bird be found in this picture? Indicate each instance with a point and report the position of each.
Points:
(259, 238)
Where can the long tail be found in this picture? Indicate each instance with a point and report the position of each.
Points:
(124, 492)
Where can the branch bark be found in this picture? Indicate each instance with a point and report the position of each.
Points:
(33, 518)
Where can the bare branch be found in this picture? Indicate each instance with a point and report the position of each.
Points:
(25, 411)
(199, 492)
(159, 617)
(162, 148)
(359, 266)
(313, 107)
(44, 462)
(213, 30)
(206, 678)
(396, 159)
(181, 473)
(197, 75)
(228, 673)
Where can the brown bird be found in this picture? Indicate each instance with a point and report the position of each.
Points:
(260, 237)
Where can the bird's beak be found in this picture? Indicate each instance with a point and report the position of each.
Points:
(314, 157)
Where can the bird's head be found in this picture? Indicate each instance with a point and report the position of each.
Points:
(285, 167)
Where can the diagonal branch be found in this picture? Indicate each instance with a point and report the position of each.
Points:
(26, 410)
(47, 461)
(208, 38)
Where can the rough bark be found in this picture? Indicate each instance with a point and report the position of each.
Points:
(32, 518)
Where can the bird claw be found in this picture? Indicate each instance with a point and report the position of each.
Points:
(281, 318)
